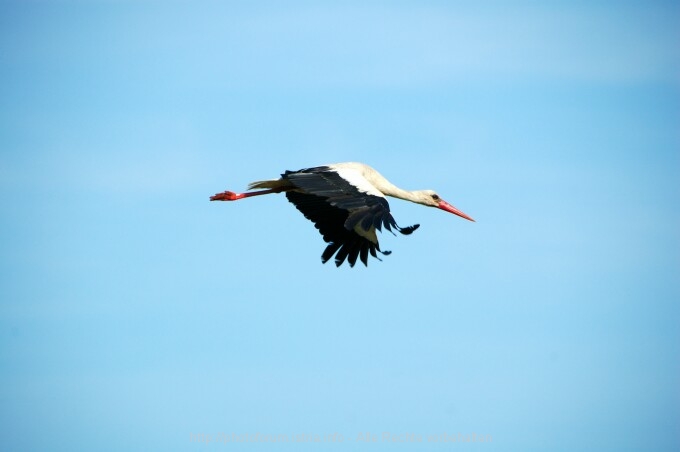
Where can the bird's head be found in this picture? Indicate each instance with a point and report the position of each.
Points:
(432, 199)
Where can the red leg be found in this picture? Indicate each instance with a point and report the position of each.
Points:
(226, 196)
(231, 196)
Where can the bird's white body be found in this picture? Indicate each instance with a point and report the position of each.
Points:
(363, 177)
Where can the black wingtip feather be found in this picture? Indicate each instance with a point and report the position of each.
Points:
(342, 254)
(353, 253)
(409, 229)
(329, 252)
(364, 254)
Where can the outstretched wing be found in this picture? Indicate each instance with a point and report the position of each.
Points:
(346, 217)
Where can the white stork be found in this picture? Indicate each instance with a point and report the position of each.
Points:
(346, 202)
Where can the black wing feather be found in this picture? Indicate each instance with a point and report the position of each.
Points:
(330, 251)
(335, 207)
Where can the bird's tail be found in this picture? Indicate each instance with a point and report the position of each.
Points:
(274, 183)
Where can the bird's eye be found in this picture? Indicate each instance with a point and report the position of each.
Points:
(435, 197)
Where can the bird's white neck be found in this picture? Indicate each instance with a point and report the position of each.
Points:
(358, 174)
(396, 192)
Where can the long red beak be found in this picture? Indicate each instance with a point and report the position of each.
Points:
(449, 208)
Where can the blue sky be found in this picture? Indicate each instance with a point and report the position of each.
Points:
(136, 315)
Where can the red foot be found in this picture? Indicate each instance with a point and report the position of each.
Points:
(226, 196)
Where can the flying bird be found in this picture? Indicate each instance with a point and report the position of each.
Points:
(347, 204)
